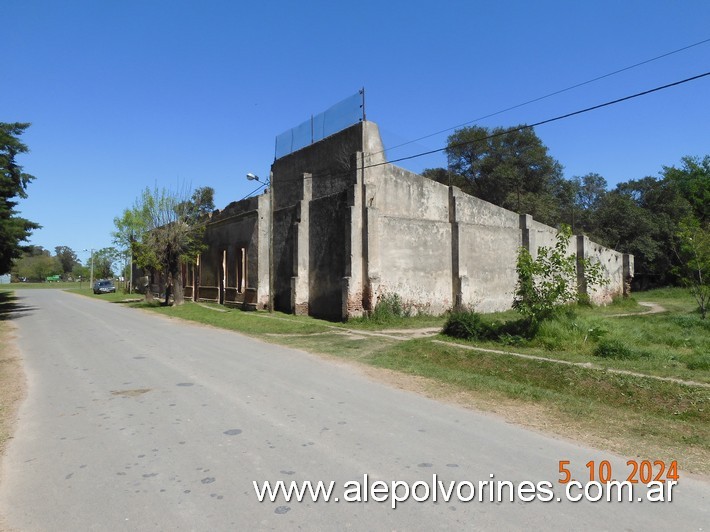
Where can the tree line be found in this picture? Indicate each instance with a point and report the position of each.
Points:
(659, 219)
(35, 264)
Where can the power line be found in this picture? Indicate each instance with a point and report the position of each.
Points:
(254, 191)
(504, 132)
(549, 120)
(550, 94)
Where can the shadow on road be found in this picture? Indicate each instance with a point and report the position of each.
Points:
(11, 308)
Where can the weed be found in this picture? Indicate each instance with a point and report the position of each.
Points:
(465, 324)
(390, 309)
(613, 348)
(698, 361)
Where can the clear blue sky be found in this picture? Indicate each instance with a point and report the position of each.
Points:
(124, 95)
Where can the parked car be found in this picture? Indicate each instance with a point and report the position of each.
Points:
(104, 287)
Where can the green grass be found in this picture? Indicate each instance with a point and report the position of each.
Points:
(392, 322)
(251, 323)
(670, 344)
(61, 285)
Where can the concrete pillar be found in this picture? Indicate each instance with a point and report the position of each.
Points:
(628, 272)
(370, 233)
(264, 246)
(528, 240)
(456, 284)
(353, 288)
(582, 248)
(301, 250)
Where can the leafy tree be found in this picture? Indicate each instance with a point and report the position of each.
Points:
(172, 233)
(129, 228)
(13, 184)
(66, 257)
(694, 255)
(692, 183)
(585, 196)
(201, 203)
(641, 217)
(550, 280)
(36, 265)
(510, 168)
(104, 261)
(80, 271)
(445, 177)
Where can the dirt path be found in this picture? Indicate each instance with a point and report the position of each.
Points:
(653, 308)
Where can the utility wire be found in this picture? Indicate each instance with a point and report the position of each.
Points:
(549, 120)
(501, 133)
(549, 95)
(254, 191)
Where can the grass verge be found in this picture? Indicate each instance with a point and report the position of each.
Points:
(631, 415)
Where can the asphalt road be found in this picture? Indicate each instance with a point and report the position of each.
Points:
(138, 422)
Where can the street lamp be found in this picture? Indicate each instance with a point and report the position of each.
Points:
(267, 183)
(91, 278)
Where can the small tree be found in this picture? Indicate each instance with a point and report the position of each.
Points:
(550, 280)
(694, 254)
(104, 261)
(172, 228)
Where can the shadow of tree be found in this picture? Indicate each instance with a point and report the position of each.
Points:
(11, 308)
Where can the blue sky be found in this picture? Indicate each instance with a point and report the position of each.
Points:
(124, 95)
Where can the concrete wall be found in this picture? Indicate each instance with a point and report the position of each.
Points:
(615, 267)
(409, 238)
(348, 228)
(312, 190)
(488, 242)
(233, 269)
(326, 256)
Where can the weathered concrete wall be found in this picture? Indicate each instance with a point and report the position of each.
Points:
(349, 228)
(283, 253)
(327, 255)
(231, 268)
(409, 236)
(612, 264)
(312, 254)
(328, 161)
(488, 242)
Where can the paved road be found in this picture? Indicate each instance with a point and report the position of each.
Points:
(137, 422)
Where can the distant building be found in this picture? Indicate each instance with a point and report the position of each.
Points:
(5, 279)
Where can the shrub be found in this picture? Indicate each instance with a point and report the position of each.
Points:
(389, 307)
(613, 348)
(698, 361)
(465, 324)
(549, 281)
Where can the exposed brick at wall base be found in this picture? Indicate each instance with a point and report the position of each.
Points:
(352, 302)
(301, 309)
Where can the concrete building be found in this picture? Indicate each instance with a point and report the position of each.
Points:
(348, 227)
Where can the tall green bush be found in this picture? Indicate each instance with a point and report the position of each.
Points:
(550, 280)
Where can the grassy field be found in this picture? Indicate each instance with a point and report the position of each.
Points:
(630, 414)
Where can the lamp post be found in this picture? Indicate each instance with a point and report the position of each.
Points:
(267, 183)
(91, 278)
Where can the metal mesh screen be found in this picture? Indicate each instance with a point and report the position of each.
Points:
(343, 114)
